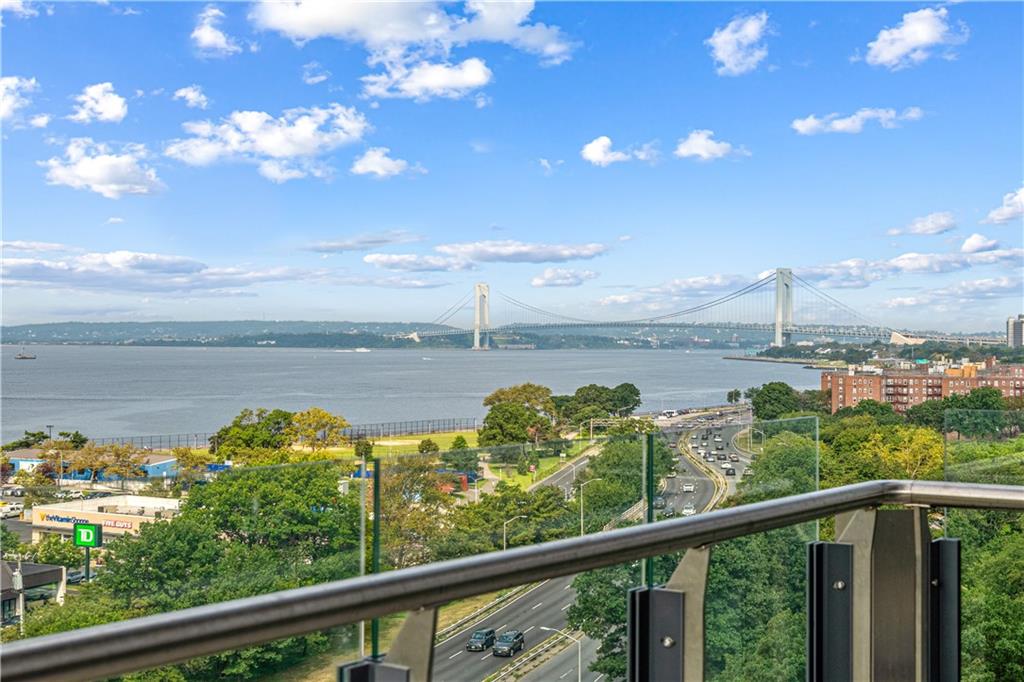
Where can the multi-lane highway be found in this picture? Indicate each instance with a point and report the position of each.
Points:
(546, 604)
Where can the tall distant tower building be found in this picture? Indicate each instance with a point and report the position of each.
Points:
(1015, 332)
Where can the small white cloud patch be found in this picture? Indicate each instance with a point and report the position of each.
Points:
(738, 47)
(854, 123)
(99, 102)
(933, 223)
(207, 36)
(376, 162)
(1011, 209)
(193, 97)
(700, 144)
(912, 41)
(14, 92)
(977, 243)
(562, 277)
(95, 167)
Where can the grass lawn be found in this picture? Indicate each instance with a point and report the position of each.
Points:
(405, 445)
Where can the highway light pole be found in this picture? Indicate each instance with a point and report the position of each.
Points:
(581, 502)
(579, 650)
(504, 531)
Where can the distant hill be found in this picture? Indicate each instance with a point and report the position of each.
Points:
(198, 332)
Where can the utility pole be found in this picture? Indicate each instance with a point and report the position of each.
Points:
(504, 531)
(582, 533)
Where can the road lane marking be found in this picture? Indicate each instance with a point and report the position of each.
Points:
(537, 605)
(528, 629)
(566, 606)
(567, 586)
(501, 627)
(457, 653)
(486, 657)
(597, 679)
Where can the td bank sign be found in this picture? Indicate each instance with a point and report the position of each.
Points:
(88, 535)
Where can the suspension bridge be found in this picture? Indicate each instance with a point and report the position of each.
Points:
(781, 304)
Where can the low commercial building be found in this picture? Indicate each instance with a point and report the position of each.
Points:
(117, 514)
(47, 580)
(904, 389)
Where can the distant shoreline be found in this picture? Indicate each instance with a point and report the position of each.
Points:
(784, 361)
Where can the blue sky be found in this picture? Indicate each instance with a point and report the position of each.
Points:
(327, 160)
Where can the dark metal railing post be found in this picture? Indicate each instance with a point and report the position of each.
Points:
(945, 610)
(375, 557)
(829, 612)
(649, 487)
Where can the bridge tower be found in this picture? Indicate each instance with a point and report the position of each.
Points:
(481, 314)
(783, 305)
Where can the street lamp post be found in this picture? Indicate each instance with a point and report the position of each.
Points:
(581, 502)
(504, 531)
(579, 650)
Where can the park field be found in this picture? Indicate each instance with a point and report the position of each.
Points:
(406, 445)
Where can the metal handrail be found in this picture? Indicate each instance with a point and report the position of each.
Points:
(117, 648)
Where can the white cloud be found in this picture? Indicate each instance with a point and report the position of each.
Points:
(377, 162)
(599, 152)
(424, 80)
(408, 262)
(977, 243)
(412, 41)
(99, 102)
(18, 8)
(28, 246)
(933, 223)
(549, 166)
(964, 292)
(700, 145)
(313, 73)
(193, 96)
(130, 271)
(510, 251)
(1011, 209)
(562, 277)
(365, 242)
(701, 284)
(209, 39)
(737, 48)
(857, 273)
(854, 123)
(13, 94)
(39, 120)
(93, 166)
(285, 147)
(114, 220)
(913, 40)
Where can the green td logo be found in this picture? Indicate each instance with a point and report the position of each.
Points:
(88, 535)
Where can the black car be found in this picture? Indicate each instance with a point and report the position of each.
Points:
(721, 457)
(509, 643)
(481, 640)
(730, 472)
(659, 502)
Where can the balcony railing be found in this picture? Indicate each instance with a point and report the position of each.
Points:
(882, 603)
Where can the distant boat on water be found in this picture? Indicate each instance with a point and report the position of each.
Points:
(24, 356)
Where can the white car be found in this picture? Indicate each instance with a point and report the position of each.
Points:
(671, 474)
(701, 451)
(689, 510)
(718, 439)
(11, 510)
(689, 488)
(727, 465)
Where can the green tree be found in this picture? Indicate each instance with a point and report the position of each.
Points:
(460, 457)
(76, 439)
(734, 396)
(190, 464)
(364, 449)
(317, 429)
(625, 399)
(56, 550)
(459, 443)
(534, 397)
(509, 423)
(427, 447)
(261, 428)
(930, 414)
(775, 399)
(29, 440)
(10, 543)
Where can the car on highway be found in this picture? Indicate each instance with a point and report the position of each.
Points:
(733, 457)
(672, 474)
(689, 510)
(726, 465)
(730, 472)
(701, 451)
(689, 488)
(721, 457)
(668, 512)
(659, 502)
(709, 458)
(718, 439)
(480, 640)
(509, 643)
(748, 472)
(719, 447)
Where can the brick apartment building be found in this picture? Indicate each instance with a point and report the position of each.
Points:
(905, 388)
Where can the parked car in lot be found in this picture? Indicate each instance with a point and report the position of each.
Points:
(75, 576)
(689, 510)
(11, 510)
(480, 640)
(689, 488)
(509, 643)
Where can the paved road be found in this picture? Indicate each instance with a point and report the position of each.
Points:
(563, 666)
(544, 605)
